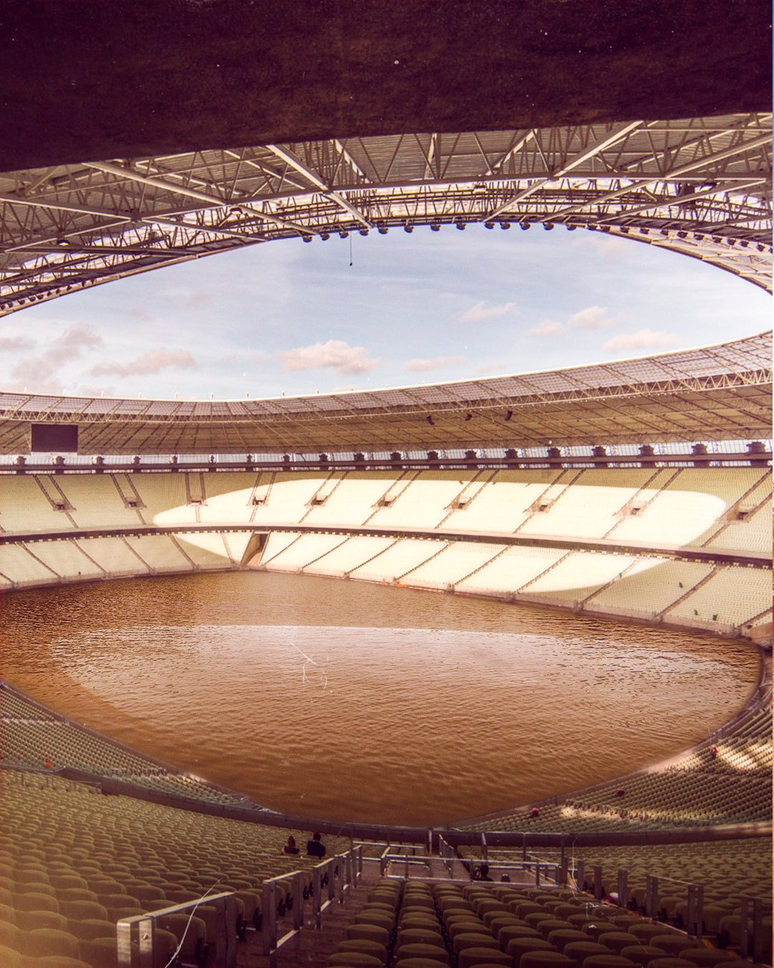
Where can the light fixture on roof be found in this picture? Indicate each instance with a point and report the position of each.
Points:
(548, 226)
(505, 225)
(306, 238)
(63, 243)
(325, 236)
(460, 225)
(508, 414)
(744, 243)
(435, 227)
(479, 188)
(682, 235)
(343, 233)
(524, 225)
(488, 225)
(382, 229)
(363, 230)
(408, 227)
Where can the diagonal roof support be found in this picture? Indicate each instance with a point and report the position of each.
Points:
(290, 159)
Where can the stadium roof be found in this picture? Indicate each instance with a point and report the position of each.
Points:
(720, 392)
(700, 187)
(89, 79)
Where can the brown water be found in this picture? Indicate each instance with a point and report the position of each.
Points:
(344, 700)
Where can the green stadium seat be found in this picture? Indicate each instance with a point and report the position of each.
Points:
(704, 957)
(546, 959)
(11, 959)
(579, 951)
(561, 937)
(365, 947)
(29, 920)
(642, 954)
(616, 941)
(673, 944)
(479, 957)
(607, 961)
(50, 941)
(353, 959)
(429, 951)
(36, 902)
(516, 947)
(369, 932)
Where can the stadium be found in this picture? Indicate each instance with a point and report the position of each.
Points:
(626, 500)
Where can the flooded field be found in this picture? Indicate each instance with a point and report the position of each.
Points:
(343, 700)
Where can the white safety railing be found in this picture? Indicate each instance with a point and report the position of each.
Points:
(138, 933)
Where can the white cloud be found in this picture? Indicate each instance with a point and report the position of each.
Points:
(335, 354)
(546, 328)
(14, 344)
(479, 311)
(593, 317)
(69, 346)
(151, 362)
(643, 339)
(436, 363)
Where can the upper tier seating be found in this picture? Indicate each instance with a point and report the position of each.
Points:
(713, 507)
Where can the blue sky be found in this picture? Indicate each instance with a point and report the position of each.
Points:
(294, 318)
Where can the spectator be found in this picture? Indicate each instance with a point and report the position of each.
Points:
(315, 847)
(482, 873)
(290, 846)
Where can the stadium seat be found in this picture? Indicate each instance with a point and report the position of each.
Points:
(429, 951)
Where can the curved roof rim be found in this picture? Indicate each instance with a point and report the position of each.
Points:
(744, 344)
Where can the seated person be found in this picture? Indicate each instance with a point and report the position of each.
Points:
(315, 847)
(290, 846)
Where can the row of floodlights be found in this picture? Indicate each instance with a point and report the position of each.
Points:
(525, 224)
